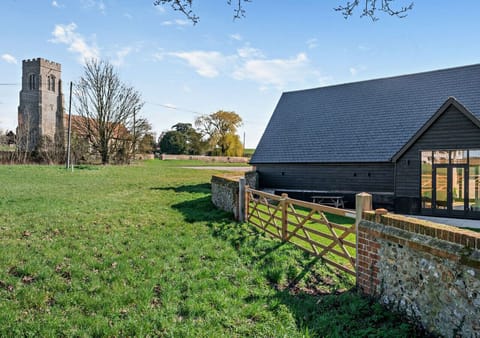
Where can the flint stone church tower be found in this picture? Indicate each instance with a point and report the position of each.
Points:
(40, 113)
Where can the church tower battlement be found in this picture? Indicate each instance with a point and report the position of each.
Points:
(41, 109)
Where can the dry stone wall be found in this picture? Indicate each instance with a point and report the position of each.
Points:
(225, 190)
(225, 193)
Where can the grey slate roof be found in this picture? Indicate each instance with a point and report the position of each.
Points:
(366, 121)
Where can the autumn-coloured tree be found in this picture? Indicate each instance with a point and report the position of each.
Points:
(220, 129)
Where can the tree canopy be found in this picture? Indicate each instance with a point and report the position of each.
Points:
(215, 134)
(183, 139)
(219, 129)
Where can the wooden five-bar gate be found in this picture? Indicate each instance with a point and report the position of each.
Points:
(324, 231)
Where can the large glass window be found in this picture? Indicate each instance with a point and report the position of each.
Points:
(426, 179)
(474, 181)
(450, 179)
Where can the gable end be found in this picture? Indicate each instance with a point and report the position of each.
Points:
(451, 101)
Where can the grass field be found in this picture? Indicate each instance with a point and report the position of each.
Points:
(140, 250)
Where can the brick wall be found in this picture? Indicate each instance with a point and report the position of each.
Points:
(367, 269)
(428, 271)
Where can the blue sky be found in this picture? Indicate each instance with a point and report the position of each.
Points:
(242, 65)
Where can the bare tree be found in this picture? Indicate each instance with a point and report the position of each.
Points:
(24, 137)
(106, 108)
(369, 8)
(139, 128)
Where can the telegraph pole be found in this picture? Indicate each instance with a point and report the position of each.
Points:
(69, 126)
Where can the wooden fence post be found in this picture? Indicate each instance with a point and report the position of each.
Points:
(241, 199)
(363, 202)
(284, 205)
(247, 202)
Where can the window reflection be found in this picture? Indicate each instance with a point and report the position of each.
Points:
(458, 189)
(441, 188)
(459, 156)
(441, 157)
(426, 179)
(450, 180)
(474, 188)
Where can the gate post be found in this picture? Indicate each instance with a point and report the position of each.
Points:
(363, 202)
(241, 200)
(283, 202)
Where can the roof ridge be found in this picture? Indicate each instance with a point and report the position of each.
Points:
(385, 78)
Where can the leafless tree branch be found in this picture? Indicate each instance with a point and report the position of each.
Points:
(106, 107)
(370, 8)
(183, 6)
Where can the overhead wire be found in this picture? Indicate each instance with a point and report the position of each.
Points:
(175, 108)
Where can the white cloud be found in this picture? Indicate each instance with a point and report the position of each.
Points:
(66, 34)
(312, 43)
(55, 4)
(355, 70)
(120, 56)
(249, 63)
(207, 64)
(96, 4)
(159, 56)
(237, 37)
(249, 52)
(160, 9)
(276, 72)
(177, 22)
(364, 48)
(128, 16)
(9, 58)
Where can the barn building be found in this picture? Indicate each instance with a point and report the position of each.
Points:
(412, 141)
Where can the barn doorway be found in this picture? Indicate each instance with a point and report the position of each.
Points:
(451, 183)
(449, 190)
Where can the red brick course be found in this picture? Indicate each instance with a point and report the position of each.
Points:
(367, 270)
(448, 233)
(368, 245)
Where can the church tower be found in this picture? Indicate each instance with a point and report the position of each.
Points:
(40, 113)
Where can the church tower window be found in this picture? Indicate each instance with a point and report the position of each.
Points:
(32, 82)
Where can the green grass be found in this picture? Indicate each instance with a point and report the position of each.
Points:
(4, 147)
(316, 223)
(140, 251)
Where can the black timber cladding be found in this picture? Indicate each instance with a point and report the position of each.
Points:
(452, 130)
(372, 177)
(368, 121)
